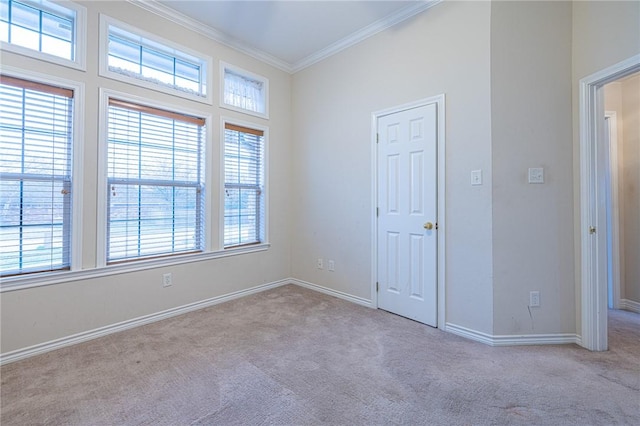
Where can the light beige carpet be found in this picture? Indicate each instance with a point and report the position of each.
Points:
(296, 357)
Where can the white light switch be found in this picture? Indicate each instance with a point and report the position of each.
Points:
(536, 175)
(476, 177)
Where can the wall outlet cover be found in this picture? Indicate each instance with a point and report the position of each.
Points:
(476, 177)
(536, 175)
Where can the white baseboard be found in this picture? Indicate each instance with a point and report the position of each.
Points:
(630, 305)
(340, 295)
(488, 339)
(512, 340)
(135, 322)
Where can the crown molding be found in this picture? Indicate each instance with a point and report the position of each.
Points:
(364, 33)
(207, 31)
(355, 38)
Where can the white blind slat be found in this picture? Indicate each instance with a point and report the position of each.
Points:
(244, 194)
(156, 202)
(35, 177)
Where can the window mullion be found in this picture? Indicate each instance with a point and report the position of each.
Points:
(40, 30)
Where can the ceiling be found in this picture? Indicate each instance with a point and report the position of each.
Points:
(288, 34)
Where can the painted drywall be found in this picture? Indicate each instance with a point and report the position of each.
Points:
(444, 50)
(623, 98)
(41, 314)
(630, 103)
(604, 33)
(531, 127)
(613, 103)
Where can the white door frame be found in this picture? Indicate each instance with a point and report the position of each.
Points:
(439, 101)
(614, 208)
(593, 238)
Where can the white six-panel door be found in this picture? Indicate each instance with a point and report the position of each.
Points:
(407, 207)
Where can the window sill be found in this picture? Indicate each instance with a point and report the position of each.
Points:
(50, 278)
(158, 87)
(78, 64)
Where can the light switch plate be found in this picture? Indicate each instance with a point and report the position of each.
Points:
(476, 177)
(536, 175)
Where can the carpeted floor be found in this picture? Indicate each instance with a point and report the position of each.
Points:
(292, 356)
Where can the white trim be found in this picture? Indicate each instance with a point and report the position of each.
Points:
(211, 33)
(80, 40)
(101, 224)
(224, 66)
(593, 260)
(77, 162)
(630, 305)
(512, 340)
(361, 35)
(206, 61)
(335, 293)
(616, 237)
(128, 324)
(265, 177)
(439, 100)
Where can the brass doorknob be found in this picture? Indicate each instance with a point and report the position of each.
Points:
(428, 226)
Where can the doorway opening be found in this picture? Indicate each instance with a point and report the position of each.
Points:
(597, 216)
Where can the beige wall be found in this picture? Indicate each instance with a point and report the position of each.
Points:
(510, 73)
(42, 314)
(445, 50)
(531, 127)
(604, 34)
(630, 191)
(623, 98)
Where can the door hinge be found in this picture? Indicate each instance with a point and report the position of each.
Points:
(377, 286)
(377, 137)
(377, 211)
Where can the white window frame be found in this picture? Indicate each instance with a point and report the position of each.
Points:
(79, 32)
(224, 66)
(76, 170)
(265, 171)
(104, 71)
(101, 231)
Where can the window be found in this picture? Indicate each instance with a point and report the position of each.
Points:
(137, 58)
(35, 176)
(244, 91)
(155, 182)
(44, 29)
(244, 198)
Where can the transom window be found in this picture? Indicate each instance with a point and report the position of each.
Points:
(244, 91)
(42, 26)
(35, 176)
(244, 197)
(155, 182)
(152, 62)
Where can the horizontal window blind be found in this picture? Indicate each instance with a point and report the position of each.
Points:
(35, 176)
(244, 207)
(155, 182)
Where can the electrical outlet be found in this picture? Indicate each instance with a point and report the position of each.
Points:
(332, 265)
(167, 279)
(320, 264)
(534, 299)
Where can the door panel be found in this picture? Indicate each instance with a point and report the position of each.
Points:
(407, 252)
